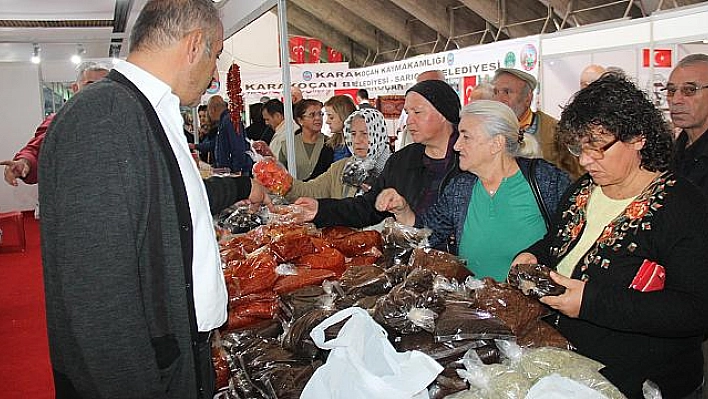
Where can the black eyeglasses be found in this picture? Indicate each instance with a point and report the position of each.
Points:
(687, 90)
(592, 151)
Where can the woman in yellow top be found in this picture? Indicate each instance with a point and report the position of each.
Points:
(365, 136)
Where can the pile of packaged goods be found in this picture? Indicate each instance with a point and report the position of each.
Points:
(285, 278)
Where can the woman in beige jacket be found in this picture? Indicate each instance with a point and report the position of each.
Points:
(365, 136)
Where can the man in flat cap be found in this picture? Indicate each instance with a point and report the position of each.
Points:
(515, 88)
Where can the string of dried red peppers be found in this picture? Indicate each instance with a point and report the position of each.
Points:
(233, 89)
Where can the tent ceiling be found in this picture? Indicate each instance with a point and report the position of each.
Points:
(365, 31)
(374, 31)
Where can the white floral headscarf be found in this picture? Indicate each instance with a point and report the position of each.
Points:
(379, 150)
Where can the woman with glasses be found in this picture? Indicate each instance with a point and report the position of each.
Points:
(505, 191)
(629, 245)
(312, 156)
(365, 136)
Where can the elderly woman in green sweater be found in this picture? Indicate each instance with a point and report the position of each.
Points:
(365, 136)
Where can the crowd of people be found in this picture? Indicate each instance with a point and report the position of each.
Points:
(605, 197)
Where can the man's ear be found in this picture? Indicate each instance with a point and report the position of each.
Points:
(529, 98)
(194, 42)
(74, 87)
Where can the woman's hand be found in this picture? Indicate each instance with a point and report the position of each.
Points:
(524, 258)
(389, 200)
(309, 208)
(570, 302)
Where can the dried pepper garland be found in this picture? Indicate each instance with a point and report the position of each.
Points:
(233, 89)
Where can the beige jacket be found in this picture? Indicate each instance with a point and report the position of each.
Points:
(552, 150)
(327, 185)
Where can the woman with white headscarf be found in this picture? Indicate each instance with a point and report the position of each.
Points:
(365, 136)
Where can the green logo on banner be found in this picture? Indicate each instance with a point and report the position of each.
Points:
(510, 60)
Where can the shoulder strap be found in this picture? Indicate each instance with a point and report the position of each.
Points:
(535, 189)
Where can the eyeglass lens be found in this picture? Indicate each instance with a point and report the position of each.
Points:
(687, 90)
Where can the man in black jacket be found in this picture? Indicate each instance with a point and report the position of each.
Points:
(687, 94)
(132, 272)
(418, 172)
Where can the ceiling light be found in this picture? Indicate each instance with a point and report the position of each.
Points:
(35, 54)
(76, 58)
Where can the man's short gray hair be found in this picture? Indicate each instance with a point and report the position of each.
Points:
(87, 66)
(692, 59)
(164, 22)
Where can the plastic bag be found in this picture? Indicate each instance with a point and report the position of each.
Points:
(358, 243)
(407, 311)
(493, 381)
(534, 279)
(557, 387)
(255, 273)
(240, 219)
(509, 304)
(443, 263)
(356, 171)
(326, 258)
(292, 245)
(459, 323)
(303, 278)
(273, 176)
(400, 240)
(363, 363)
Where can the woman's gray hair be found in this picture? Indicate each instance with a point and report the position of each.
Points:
(164, 22)
(89, 66)
(499, 120)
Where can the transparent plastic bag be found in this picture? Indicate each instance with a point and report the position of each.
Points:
(273, 176)
(458, 323)
(534, 279)
(240, 219)
(399, 241)
(493, 381)
(356, 171)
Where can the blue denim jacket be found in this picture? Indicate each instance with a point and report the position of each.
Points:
(447, 216)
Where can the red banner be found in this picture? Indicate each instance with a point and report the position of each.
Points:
(297, 49)
(662, 58)
(334, 55)
(469, 83)
(314, 47)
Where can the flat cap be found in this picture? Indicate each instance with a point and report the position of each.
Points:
(526, 77)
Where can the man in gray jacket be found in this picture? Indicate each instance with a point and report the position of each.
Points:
(131, 267)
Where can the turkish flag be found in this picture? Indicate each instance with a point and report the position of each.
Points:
(315, 48)
(297, 49)
(333, 55)
(468, 83)
(346, 92)
(662, 58)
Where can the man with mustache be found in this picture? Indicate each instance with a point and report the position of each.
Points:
(688, 103)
